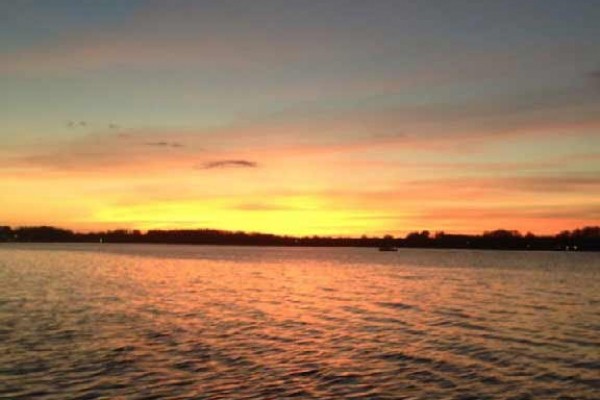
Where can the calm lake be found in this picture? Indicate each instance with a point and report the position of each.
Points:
(163, 321)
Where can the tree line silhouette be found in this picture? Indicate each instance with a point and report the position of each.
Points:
(584, 239)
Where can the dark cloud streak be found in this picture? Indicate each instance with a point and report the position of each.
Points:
(229, 164)
(164, 144)
(594, 77)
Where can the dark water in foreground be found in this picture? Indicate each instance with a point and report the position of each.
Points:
(148, 322)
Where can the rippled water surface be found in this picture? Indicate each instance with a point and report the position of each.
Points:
(149, 322)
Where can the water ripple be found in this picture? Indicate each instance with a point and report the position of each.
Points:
(177, 322)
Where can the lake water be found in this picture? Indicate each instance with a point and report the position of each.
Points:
(203, 322)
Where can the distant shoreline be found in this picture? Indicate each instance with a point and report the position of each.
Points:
(584, 239)
(282, 246)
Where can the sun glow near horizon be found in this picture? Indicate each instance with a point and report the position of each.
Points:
(230, 117)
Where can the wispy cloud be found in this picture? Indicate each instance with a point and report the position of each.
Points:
(228, 164)
(497, 215)
(76, 124)
(164, 144)
(490, 186)
(109, 150)
(262, 206)
(594, 76)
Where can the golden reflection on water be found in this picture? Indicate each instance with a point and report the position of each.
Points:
(182, 321)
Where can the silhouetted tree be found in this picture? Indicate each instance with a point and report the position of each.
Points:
(6, 233)
(417, 239)
(586, 238)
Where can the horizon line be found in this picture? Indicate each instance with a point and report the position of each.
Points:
(430, 232)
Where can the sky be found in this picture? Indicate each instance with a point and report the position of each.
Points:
(300, 117)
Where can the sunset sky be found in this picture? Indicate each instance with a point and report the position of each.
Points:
(300, 117)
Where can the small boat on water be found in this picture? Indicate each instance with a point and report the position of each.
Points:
(388, 248)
